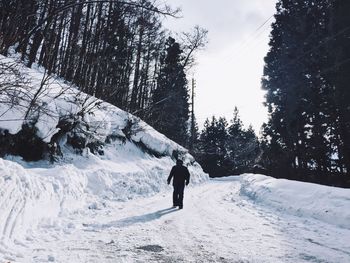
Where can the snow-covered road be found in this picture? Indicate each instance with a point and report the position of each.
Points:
(217, 224)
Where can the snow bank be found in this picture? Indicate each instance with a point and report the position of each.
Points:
(27, 198)
(136, 163)
(324, 203)
(130, 145)
(38, 196)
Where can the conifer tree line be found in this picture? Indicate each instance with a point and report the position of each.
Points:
(307, 79)
(227, 148)
(115, 50)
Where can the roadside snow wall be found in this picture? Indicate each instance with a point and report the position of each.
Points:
(134, 161)
(324, 203)
(33, 193)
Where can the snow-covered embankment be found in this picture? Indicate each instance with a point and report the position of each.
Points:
(133, 161)
(324, 203)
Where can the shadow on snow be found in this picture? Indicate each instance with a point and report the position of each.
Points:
(128, 221)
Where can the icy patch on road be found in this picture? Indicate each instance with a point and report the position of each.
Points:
(324, 203)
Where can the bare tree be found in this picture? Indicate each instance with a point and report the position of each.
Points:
(191, 42)
(13, 85)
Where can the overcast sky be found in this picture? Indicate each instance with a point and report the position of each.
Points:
(229, 70)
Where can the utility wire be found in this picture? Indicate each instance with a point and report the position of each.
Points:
(293, 61)
(253, 35)
(247, 41)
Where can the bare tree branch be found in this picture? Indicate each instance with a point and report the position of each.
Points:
(166, 10)
(192, 42)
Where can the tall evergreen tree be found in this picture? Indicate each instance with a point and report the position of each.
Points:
(227, 149)
(242, 146)
(340, 78)
(235, 139)
(170, 111)
(307, 89)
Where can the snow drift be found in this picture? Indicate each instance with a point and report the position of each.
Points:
(134, 160)
(324, 203)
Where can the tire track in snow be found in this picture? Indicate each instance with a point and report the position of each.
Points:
(16, 204)
(222, 218)
(5, 191)
(202, 207)
(19, 195)
(193, 232)
(14, 198)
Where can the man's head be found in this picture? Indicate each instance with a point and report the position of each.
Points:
(179, 162)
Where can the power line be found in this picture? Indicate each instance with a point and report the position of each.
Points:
(252, 36)
(321, 71)
(267, 20)
(247, 41)
(247, 47)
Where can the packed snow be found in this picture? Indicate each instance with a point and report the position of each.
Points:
(59, 218)
(327, 204)
(34, 196)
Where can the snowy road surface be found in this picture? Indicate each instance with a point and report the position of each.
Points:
(217, 224)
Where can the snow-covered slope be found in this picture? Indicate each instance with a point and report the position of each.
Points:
(135, 163)
(324, 203)
(121, 134)
(55, 100)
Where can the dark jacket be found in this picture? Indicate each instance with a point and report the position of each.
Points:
(180, 175)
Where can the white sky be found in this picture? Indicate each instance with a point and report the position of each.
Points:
(229, 70)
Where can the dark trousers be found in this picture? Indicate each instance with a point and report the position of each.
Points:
(178, 195)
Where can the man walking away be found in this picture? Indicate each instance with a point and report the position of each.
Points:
(181, 176)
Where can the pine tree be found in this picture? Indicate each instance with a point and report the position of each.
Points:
(249, 153)
(235, 139)
(306, 79)
(242, 146)
(213, 153)
(339, 76)
(170, 111)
